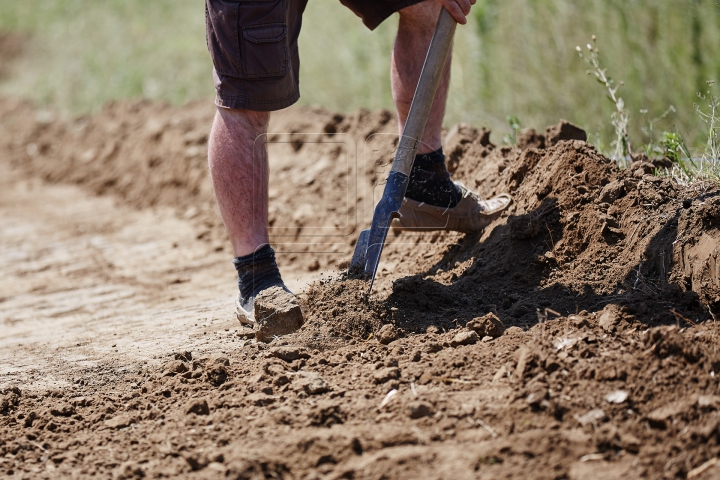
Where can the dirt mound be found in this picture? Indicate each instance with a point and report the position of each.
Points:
(580, 235)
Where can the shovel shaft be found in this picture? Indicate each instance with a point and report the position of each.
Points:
(425, 93)
(371, 242)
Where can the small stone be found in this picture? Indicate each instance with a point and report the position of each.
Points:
(629, 442)
(709, 401)
(217, 375)
(659, 417)
(536, 396)
(464, 338)
(121, 421)
(640, 169)
(259, 399)
(184, 356)
(609, 318)
(313, 383)
(62, 410)
(385, 374)
(388, 333)
(592, 416)
(277, 313)
(175, 367)
(612, 191)
(487, 326)
(618, 396)
(246, 333)
(289, 354)
(198, 406)
(432, 329)
(219, 360)
(513, 331)
(420, 409)
(281, 380)
(432, 347)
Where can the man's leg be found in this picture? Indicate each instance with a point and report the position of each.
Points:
(429, 179)
(239, 171)
(237, 157)
(415, 30)
(432, 200)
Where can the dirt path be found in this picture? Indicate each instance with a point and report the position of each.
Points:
(87, 281)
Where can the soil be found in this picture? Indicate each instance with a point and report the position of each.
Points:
(574, 338)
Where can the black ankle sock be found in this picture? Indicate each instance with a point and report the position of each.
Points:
(430, 181)
(256, 272)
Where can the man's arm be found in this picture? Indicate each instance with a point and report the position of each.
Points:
(459, 9)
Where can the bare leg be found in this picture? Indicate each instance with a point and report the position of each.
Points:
(417, 24)
(239, 171)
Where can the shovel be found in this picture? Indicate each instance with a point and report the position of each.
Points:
(371, 241)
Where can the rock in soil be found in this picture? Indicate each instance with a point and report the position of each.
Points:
(464, 338)
(277, 313)
(388, 333)
(420, 409)
(487, 326)
(198, 406)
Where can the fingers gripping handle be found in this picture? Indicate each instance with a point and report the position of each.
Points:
(425, 92)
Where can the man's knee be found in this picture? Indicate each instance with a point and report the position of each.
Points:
(245, 119)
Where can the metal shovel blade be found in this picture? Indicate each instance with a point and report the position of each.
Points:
(357, 264)
(370, 243)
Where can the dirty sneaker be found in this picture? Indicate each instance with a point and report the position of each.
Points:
(264, 301)
(470, 215)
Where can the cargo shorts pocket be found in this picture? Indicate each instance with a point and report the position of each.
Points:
(248, 39)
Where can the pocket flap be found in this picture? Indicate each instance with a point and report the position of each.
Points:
(271, 32)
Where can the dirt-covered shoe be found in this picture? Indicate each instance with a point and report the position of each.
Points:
(245, 310)
(471, 215)
(275, 308)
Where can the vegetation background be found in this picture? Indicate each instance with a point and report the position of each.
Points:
(515, 57)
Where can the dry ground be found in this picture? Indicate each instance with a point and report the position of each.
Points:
(574, 338)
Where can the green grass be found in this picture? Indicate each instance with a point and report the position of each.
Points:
(514, 58)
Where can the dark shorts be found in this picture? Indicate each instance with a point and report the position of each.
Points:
(254, 47)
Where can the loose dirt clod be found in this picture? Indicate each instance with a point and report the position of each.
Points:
(487, 326)
(277, 312)
(464, 338)
(388, 333)
(198, 406)
(420, 409)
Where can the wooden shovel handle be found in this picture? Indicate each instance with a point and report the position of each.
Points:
(425, 92)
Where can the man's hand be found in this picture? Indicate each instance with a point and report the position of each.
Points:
(458, 9)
